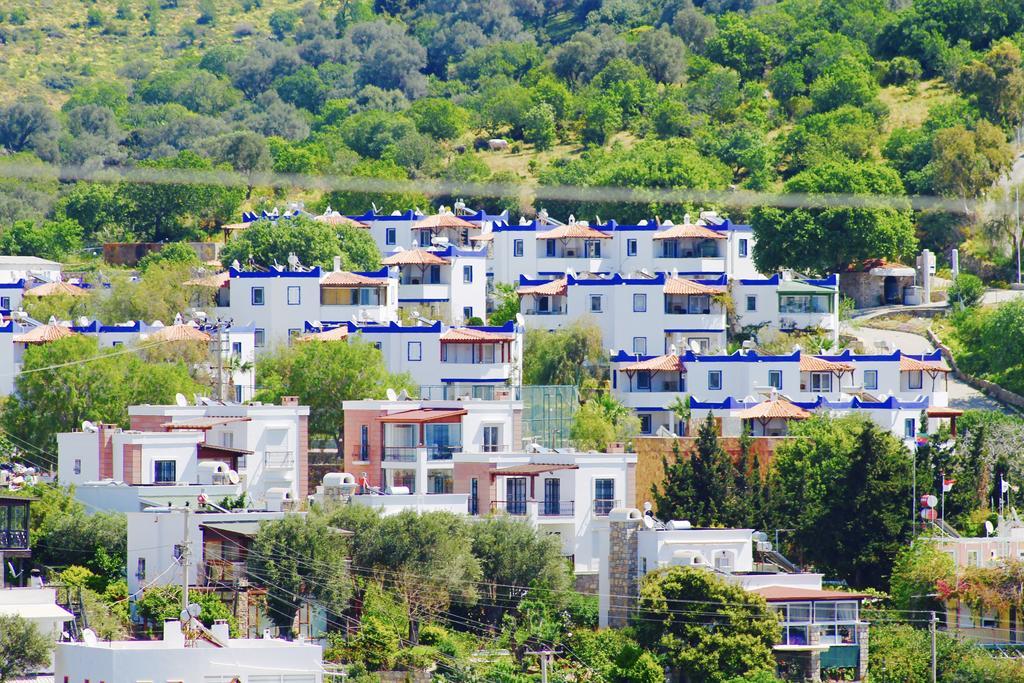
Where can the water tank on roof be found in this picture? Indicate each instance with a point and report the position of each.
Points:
(208, 469)
(680, 524)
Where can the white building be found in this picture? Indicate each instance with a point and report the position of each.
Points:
(171, 454)
(449, 284)
(154, 533)
(38, 605)
(892, 389)
(710, 247)
(782, 303)
(190, 659)
(278, 302)
(21, 269)
(412, 229)
(647, 313)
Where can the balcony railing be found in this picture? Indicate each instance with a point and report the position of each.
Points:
(279, 460)
(602, 506)
(11, 539)
(448, 392)
(516, 508)
(411, 453)
(222, 572)
(557, 310)
(556, 508)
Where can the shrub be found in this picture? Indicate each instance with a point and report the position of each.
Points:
(966, 291)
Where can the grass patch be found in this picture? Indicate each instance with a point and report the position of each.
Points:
(909, 109)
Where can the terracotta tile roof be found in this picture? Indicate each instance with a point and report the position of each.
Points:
(678, 285)
(202, 423)
(553, 288)
(486, 237)
(414, 257)
(469, 335)
(216, 281)
(442, 220)
(178, 333)
(908, 364)
(57, 289)
(344, 278)
(682, 231)
(423, 415)
(778, 408)
(335, 218)
(666, 363)
(787, 593)
(43, 334)
(936, 411)
(816, 364)
(573, 230)
(336, 334)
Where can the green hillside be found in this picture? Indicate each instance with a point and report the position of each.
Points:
(798, 95)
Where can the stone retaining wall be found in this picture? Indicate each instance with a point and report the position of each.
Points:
(997, 392)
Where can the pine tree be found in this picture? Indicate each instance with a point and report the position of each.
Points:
(713, 478)
(675, 498)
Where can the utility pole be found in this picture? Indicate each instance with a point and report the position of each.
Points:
(185, 560)
(932, 625)
(545, 661)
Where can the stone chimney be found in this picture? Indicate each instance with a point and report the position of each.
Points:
(337, 264)
(290, 401)
(620, 590)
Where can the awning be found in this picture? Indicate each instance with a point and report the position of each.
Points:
(571, 231)
(215, 281)
(554, 288)
(678, 285)
(794, 287)
(339, 333)
(423, 415)
(223, 449)
(57, 289)
(468, 335)
(247, 528)
(38, 611)
(44, 334)
(203, 423)
(688, 231)
(443, 220)
(816, 364)
(936, 411)
(908, 364)
(414, 257)
(770, 410)
(530, 470)
(343, 278)
(794, 593)
(667, 363)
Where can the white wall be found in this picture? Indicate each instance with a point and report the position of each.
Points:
(78, 450)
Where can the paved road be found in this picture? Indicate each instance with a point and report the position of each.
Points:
(961, 395)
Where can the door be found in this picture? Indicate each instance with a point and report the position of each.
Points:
(552, 496)
(515, 495)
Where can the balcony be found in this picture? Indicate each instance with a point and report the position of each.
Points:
(514, 508)
(13, 539)
(424, 292)
(278, 460)
(432, 452)
(495, 370)
(554, 310)
(575, 260)
(602, 506)
(542, 510)
(646, 399)
(224, 573)
(691, 264)
(556, 508)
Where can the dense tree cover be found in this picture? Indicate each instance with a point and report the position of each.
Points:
(707, 96)
(566, 356)
(161, 603)
(979, 336)
(267, 243)
(703, 628)
(601, 421)
(55, 391)
(325, 373)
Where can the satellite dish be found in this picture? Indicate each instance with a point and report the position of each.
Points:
(89, 636)
(233, 477)
(184, 616)
(180, 400)
(520, 320)
(403, 396)
(194, 610)
(647, 506)
(989, 529)
(648, 522)
(88, 426)
(392, 396)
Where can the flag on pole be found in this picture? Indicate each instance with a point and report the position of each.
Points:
(1006, 486)
(947, 485)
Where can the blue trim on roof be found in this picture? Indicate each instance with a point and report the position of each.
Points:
(20, 284)
(891, 403)
(136, 326)
(688, 331)
(383, 272)
(623, 356)
(8, 328)
(422, 301)
(775, 281)
(91, 328)
(391, 328)
(256, 274)
(650, 409)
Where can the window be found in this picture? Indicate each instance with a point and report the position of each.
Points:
(775, 379)
(964, 618)
(703, 344)
(910, 428)
(78, 465)
(257, 296)
(871, 379)
(364, 443)
(698, 304)
(492, 441)
(595, 303)
(164, 471)
(389, 236)
(821, 381)
(259, 338)
(377, 345)
(744, 249)
(467, 274)
(474, 497)
(236, 348)
(645, 424)
(115, 344)
(238, 393)
(630, 247)
(592, 249)
(643, 380)
(517, 248)
(915, 379)
(549, 248)
(989, 618)
(639, 303)
(414, 351)
(467, 313)
(604, 496)
(640, 345)
(140, 570)
(714, 380)
(293, 332)
(751, 303)
(5, 303)
(294, 296)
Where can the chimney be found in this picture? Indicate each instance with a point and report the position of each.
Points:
(616, 447)
(291, 401)
(220, 630)
(621, 578)
(173, 635)
(337, 264)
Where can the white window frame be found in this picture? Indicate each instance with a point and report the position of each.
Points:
(821, 382)
(640, 345)
(598, 299)
(639, 303)
(410, 348)
(631, 247)
(717, 375)
(871, 385)
(262, 297)
(772, 375)
(295, 300)
(915, 379)
(259, 337)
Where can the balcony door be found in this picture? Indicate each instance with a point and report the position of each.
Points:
(552, 496)
(515, 495)
(491, 438)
